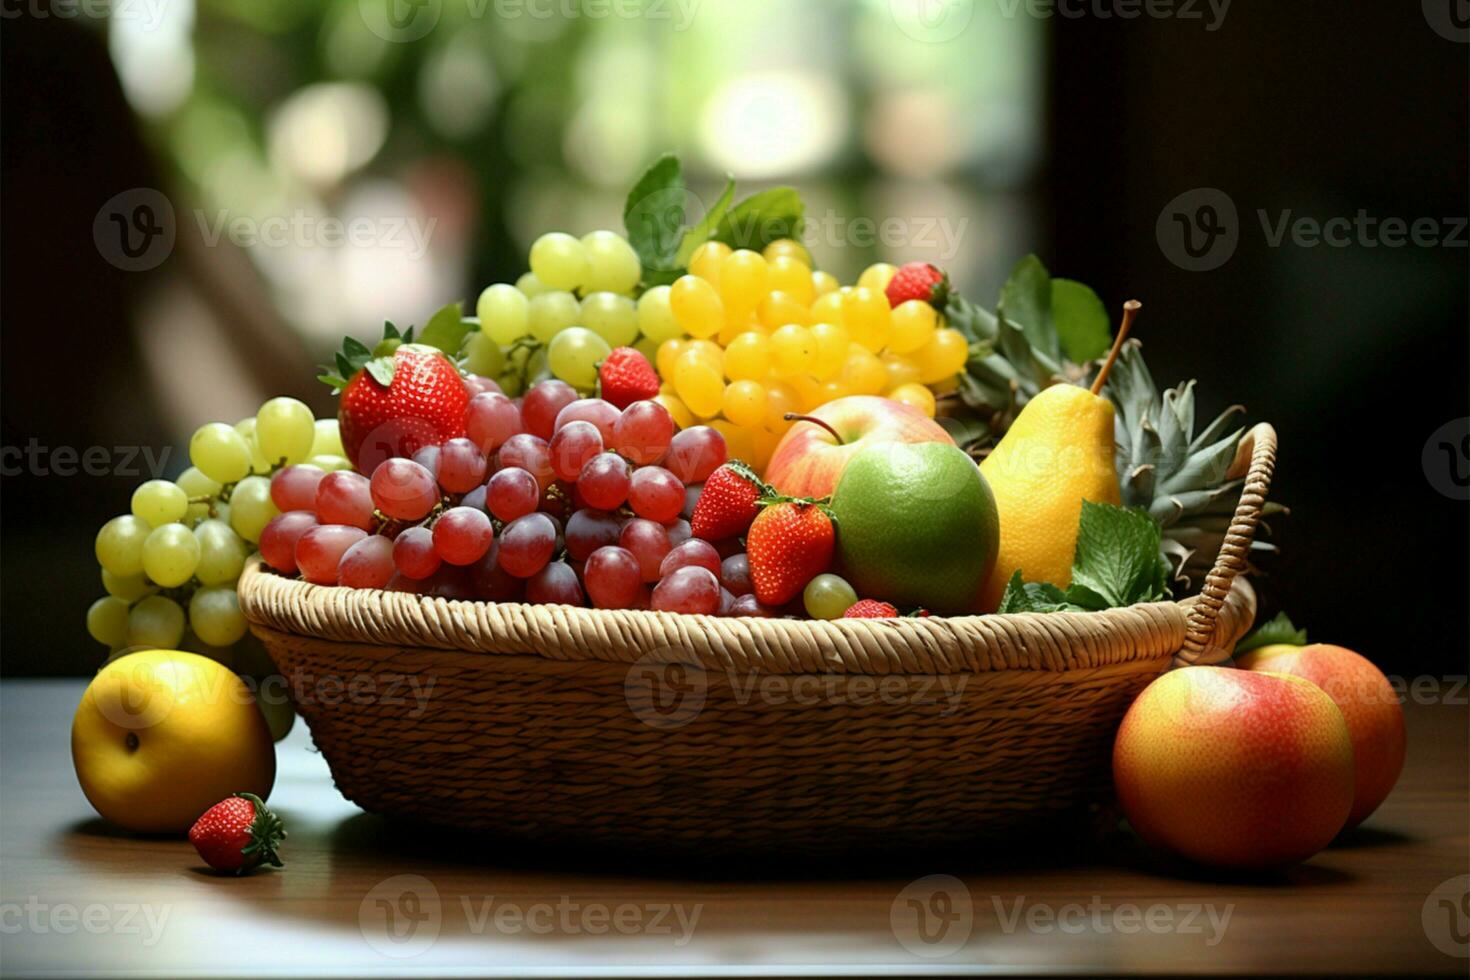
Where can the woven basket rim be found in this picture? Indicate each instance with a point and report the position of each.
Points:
(1047, 642)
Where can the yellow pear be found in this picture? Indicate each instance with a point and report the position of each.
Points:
(1056, 454)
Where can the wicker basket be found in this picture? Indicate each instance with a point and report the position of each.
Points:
(654, 729)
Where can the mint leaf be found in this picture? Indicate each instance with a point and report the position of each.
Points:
(1280, 629)
(700, 233)
(762, 218)
(446, 329)
(1081, 321)
(1118, 556)
(1025, 302)
(654, 218)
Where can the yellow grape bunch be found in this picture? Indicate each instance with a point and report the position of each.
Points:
(170, 565)
(746, 337)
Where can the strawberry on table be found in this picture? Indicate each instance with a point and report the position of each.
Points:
(627, 377)
(728, 503)
(871, 609)
(237, 834)
(396, 399)
(918, 280)
(790, 543)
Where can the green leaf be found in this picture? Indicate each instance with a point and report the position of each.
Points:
(1118, 556)
(381, 369)
(762, 218)
(654, 217)
(1081, 320)
(1278, 630)
(1025, 301)
(334, 381)
(700, 233)
(446, 329)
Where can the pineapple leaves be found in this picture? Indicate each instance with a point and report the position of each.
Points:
(1280, 629)
(1117, 563)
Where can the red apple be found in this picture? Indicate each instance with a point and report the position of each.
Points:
(809, 459)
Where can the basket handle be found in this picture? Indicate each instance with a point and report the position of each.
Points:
(1260, 445)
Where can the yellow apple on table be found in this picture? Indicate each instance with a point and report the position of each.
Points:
(162, 735)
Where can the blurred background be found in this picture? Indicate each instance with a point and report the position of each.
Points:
(200, 197)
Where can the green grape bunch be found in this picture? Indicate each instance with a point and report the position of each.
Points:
(170, 565)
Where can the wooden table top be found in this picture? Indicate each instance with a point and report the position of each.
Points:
(359, 897)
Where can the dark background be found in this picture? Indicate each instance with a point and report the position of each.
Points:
(1356, 354)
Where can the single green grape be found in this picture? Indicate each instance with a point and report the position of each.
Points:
(828, 596)
(251, 508)
(119, 544)
(483, 354)
(331, 462)
(128, 588)
(214, 615)
(504, 312)
(258, 462)
(156, 622)
(220, 453)
(222, 553)
(160, 502)
(328, 439)
(170, 555)
(574, 355)
(107, 621)
(285, 430)
(552, 313)
(530, 286)
(559, 260)
(612, 317)
(655, 318)
(612, 263)
(195, 484)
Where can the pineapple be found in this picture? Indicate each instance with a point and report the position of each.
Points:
(1179, 477)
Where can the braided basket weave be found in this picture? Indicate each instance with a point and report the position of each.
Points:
(648, 729)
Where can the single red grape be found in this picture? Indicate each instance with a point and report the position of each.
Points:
(748, 605)
(541, 404)
(461, 466)
(319, 551)
(462, 535)
(690, 589)
(511, 493)
(643, 431)
(604, 481)
(278, 539)
(589, 529)
(530, 453)
(694, 552)
(572, 447)
(555, 583)
(612, 578)
(367, 564)
(600, 413)
(404, 490)
(526, 545)
(679, 531)
(414, 554)
(648, 542)
(294, 488)
(490, 420)
(735, 574)
(656, 494)
(492, 582)
(695, 453)
(345, 497)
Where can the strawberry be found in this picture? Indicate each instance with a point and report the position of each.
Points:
(790, 543)
(918, 280)
(728, 503)
(237, 834)
(870, 609)
(396, 398)
(627, 377)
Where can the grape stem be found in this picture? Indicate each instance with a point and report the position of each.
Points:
(793, 417)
